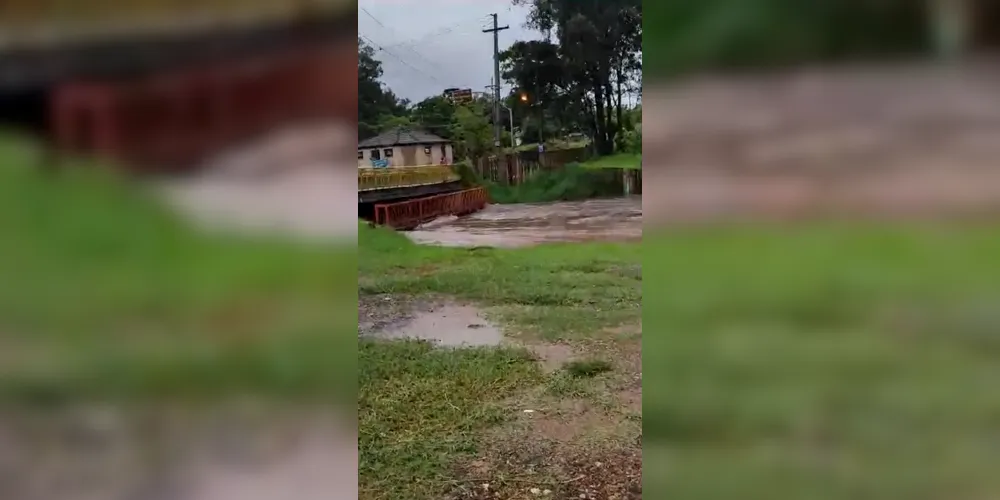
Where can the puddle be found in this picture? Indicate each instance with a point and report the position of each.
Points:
(448, 326)
(518, 225)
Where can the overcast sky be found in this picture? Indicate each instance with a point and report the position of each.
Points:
(431, 45)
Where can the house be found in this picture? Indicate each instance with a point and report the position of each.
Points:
(404, 147)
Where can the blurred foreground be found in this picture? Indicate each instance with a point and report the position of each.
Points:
(892, 141)
(821, 259)
(143, 358)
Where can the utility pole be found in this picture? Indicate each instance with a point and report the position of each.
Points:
(496, 78)
(494, 90)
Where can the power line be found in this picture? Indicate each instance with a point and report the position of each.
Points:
(400, 59)
(440, 32)
(411, 49)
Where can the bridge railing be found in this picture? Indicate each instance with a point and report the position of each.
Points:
(370, 179)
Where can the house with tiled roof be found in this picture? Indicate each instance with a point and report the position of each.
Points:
(404, 147)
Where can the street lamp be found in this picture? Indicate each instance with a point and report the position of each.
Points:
(510, 113)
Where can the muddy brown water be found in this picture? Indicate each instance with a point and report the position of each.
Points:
(448, 326)
(518, 225)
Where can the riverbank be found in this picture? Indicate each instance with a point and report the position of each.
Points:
(526, 224)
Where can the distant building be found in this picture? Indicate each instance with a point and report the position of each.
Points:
(458, 96)
(404, 147)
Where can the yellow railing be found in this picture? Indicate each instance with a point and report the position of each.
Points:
(370, 179)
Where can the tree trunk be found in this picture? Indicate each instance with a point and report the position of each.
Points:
(620, 75)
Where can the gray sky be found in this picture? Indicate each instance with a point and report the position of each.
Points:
(430, 45)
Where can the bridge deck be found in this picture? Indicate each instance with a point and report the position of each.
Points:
(374, 179)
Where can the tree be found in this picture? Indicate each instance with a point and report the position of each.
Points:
(392, 122)
(600, 43)
(537, 73)
(375, 101)
(471, 132)
(436, 115)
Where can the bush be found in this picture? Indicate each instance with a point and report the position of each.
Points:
(470, 178)
(569, 183)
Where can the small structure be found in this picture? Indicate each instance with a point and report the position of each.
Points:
(404, 147)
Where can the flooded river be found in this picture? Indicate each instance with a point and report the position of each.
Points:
(618, 219)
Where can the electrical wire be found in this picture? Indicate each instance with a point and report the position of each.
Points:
(400, 59)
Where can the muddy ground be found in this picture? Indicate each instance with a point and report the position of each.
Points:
(506, 226)
(570, 438)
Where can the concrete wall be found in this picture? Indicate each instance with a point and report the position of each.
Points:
(410, 156)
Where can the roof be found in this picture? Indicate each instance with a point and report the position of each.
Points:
(401, 137)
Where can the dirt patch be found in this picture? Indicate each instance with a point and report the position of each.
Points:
(565, 450)
(567, 446)
(552, 356)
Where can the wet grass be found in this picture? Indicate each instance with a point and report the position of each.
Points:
(561, 291)
(422, 410)
(588, 368)
(570, 183)
(824, 362)
(426, 413)
(105, 295)
(628, 161)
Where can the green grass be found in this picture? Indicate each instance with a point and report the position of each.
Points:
(572, 182)
(555, 291)
(630, 161)
(106, 295)
(423, 411)
(588, 368)
(822, 362)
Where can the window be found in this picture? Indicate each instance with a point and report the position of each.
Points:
(427, 150)
(361, 155)
(375, 155)
(388, 152)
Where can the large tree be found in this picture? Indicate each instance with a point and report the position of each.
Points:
(537, 72)
(600, 44)
(436, 115)
(375, 102)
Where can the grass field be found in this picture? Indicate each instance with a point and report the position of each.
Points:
(824, 362)
(426, 415)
